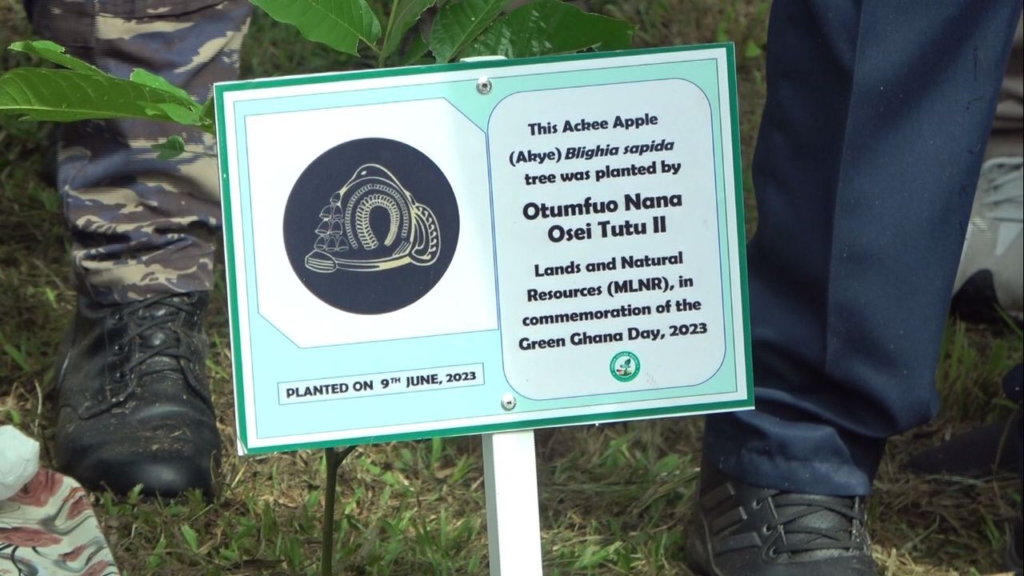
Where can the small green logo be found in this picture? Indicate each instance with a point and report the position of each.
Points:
(624, 366)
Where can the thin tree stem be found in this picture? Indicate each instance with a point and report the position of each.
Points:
(334, 460)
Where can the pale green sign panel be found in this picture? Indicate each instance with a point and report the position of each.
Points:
(484, 246)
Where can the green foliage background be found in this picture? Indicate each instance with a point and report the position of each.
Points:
(413, 31)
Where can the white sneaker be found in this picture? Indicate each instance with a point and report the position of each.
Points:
(992, 263)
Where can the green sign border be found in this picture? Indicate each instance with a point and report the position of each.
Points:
(232, 283)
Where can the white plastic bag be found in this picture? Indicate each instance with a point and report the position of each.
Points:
(19, 460)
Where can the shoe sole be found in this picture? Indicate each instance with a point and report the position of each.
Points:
(698, 552)
(976, 301)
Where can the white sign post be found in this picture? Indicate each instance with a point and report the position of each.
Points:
(513, 519)
(485, 248)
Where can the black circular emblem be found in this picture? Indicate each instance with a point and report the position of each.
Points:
(371, 226)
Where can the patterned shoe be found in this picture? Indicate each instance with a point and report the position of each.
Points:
(748, 531)
(49, 528)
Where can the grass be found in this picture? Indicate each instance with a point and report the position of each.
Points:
(614, 499)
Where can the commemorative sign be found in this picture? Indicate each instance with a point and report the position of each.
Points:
(484, 246)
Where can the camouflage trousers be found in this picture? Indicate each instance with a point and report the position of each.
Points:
(142, 226)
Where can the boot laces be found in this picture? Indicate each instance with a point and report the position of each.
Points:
(174, 344)
(836, 524)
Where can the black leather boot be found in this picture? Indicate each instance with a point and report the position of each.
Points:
(133, 399)
(743, 530)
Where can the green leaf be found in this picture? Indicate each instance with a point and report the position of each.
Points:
(190, 538)
(751, 50)
(53, 52)
(208, 117)
(176, 112)
(68, 95)
(667, 465)
(155, 559)
(404, 15)
(17, 355)
(417, 49)
(14, 416)
(550, 27)
(340, 24)
(170, 148)
(459, 23)
(147, 78)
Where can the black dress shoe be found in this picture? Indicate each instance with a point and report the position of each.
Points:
(743, 530)
(982, 451)
(974, 453)
(133, 400)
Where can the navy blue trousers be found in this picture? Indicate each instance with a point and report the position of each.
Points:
(876, 120)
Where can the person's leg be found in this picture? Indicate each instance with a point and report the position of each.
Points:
(872, 137)
(140, 226)
(133, 400)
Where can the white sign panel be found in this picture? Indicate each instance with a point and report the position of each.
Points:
(482, 247)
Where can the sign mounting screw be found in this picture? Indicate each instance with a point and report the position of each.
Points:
(483, 85)
(508, 402)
